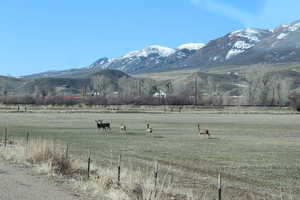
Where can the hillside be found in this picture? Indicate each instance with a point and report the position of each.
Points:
(52, 86)
(255, 85)
(9, 84)
(209, 84)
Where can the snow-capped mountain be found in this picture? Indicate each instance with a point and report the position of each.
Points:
(191, 46)
(103, 62)
(281, 46)
(242, 47)
(151, 58)
(250, 46)
(245, 39)
(151, 50)
(226, 48)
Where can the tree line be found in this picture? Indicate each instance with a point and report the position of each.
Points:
(261, 87)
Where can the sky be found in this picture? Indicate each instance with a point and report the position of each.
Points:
(38, 36)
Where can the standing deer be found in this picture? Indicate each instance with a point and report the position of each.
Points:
(203, 131)
(148, 129)
(104, 126)
(123, 129)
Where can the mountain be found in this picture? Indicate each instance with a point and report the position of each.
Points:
(224, 49)
(243, 47)
(191, 46)
(148, 59)
(282, 46)
(250, 46)
(141, 60)
(152, 58)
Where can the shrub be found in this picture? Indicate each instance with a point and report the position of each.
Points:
(43, 151)
(295, 101)
(95, 100)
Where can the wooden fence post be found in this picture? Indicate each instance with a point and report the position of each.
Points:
(53, 146)
(219, 187)
(89, 164)
(281, 194)
(172, 178)
(155, 178)
(67, 152)
(27, 137)
(111, 158)
(119, 170)
(5, 137)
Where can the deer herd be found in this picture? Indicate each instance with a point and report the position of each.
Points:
(148, 131)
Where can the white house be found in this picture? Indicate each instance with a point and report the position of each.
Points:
(160, 93)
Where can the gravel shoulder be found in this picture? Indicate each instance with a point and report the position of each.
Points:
(17, 183)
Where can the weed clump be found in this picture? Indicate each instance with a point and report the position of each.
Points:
(43, 151)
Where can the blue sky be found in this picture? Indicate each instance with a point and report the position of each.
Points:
(37, 35)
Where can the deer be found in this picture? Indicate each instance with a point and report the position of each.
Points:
(104, 126)
(123, 129)
(203, 131)
(148, 129)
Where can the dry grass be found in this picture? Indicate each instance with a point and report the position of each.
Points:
(48, 157)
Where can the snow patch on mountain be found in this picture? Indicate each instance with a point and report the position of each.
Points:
(284, 25)
(234, 52)
(191, 46)
(249, 33)
(242, 45)
(281, 36)
(153, 49)
(294, 27)
(237, 48)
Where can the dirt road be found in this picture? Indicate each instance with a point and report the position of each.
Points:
(19, 184)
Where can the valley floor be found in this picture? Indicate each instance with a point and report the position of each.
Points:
(255, 152)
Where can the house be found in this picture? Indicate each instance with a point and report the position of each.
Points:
(160, 93)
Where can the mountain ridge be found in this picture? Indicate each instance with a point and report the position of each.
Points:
(241, 47)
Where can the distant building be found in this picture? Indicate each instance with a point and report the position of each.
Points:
(160, 93)
(233, 73)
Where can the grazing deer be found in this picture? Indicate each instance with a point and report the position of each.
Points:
(104, 126)
(123, 129)
(203, 131)
(148, 129)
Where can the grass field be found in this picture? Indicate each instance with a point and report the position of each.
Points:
(257, 152)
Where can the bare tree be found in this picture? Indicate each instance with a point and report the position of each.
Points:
(140, 87)
(266, 87)
(101, 84)
(258, 86)
(284, 90)
(196, 91)
(169, 86)
(127, 87)
(295, 100)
